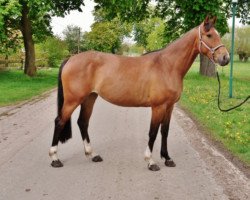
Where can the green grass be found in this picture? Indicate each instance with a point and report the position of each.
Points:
(200, 98)
(16, 87)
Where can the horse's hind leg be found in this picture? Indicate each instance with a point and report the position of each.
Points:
(62, 131)
(83, 122)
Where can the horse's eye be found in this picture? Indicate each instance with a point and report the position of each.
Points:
(209, 35)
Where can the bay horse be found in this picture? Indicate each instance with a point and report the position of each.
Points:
(152, 80)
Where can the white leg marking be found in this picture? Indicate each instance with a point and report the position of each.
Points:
(88, 149)
(148, 156)
(53, 153)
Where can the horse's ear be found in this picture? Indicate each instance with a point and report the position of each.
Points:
(206, 19)
(214, 20)
(209, 22)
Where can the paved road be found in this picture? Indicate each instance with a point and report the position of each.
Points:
(119, 135)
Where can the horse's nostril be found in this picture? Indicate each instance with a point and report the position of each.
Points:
(225, 59)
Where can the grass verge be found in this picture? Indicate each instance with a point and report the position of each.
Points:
(199, 97)
(16, 86)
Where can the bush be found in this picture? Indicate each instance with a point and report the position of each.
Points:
(51, 52)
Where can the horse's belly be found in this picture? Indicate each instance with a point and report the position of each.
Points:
(126, 99)
(138, 99)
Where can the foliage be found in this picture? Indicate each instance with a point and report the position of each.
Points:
(180, 15)
(124, 49)
(226, 39)
(72, 36)
(129, 10)
(242, 42)
(132, 10)
(149, 33)
(9, 36)
(184, 15)
(243, 7)
(63, 7)
(106, 36)
(51, 52)
(155, 39)
(135, 49)
(16, 87)
(232, 128)
(11, 18)
(32, 18)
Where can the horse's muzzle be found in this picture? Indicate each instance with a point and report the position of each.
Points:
(223, 60)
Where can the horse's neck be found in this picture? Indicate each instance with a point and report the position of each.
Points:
(181, 54)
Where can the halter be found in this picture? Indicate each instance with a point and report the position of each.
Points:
(212, 50)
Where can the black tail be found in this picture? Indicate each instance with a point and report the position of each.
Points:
(66, 132)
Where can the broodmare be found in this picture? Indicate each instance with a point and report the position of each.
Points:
(152, 80)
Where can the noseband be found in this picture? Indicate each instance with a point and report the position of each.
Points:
(212, 50)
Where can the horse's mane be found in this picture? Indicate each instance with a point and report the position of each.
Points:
(155, 50)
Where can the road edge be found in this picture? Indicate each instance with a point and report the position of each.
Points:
(242, 166)
(4, 110)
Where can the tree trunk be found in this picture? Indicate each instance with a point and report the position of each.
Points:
(29, 67)
(207, 68)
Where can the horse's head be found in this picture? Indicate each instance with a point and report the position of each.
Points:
(210, 43)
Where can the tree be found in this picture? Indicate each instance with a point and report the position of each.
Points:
(7, 33)
(129, 10)
(52, 51)
(9, 37)
(155, 39)
(149, 33)
(180, 15)
(242, 41)
(72, 36)
(132, 10)
(106, 35)
(32, 18)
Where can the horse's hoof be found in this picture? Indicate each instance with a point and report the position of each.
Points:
(56, 163)
(154, 167)
(97, 159)
(170, 163)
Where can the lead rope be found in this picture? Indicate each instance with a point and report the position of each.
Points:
(212, 50)
(232, 108)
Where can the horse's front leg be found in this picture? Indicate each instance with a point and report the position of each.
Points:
(164, 132)
(156, 120)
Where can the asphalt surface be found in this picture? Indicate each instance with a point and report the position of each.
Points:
(120, 136)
